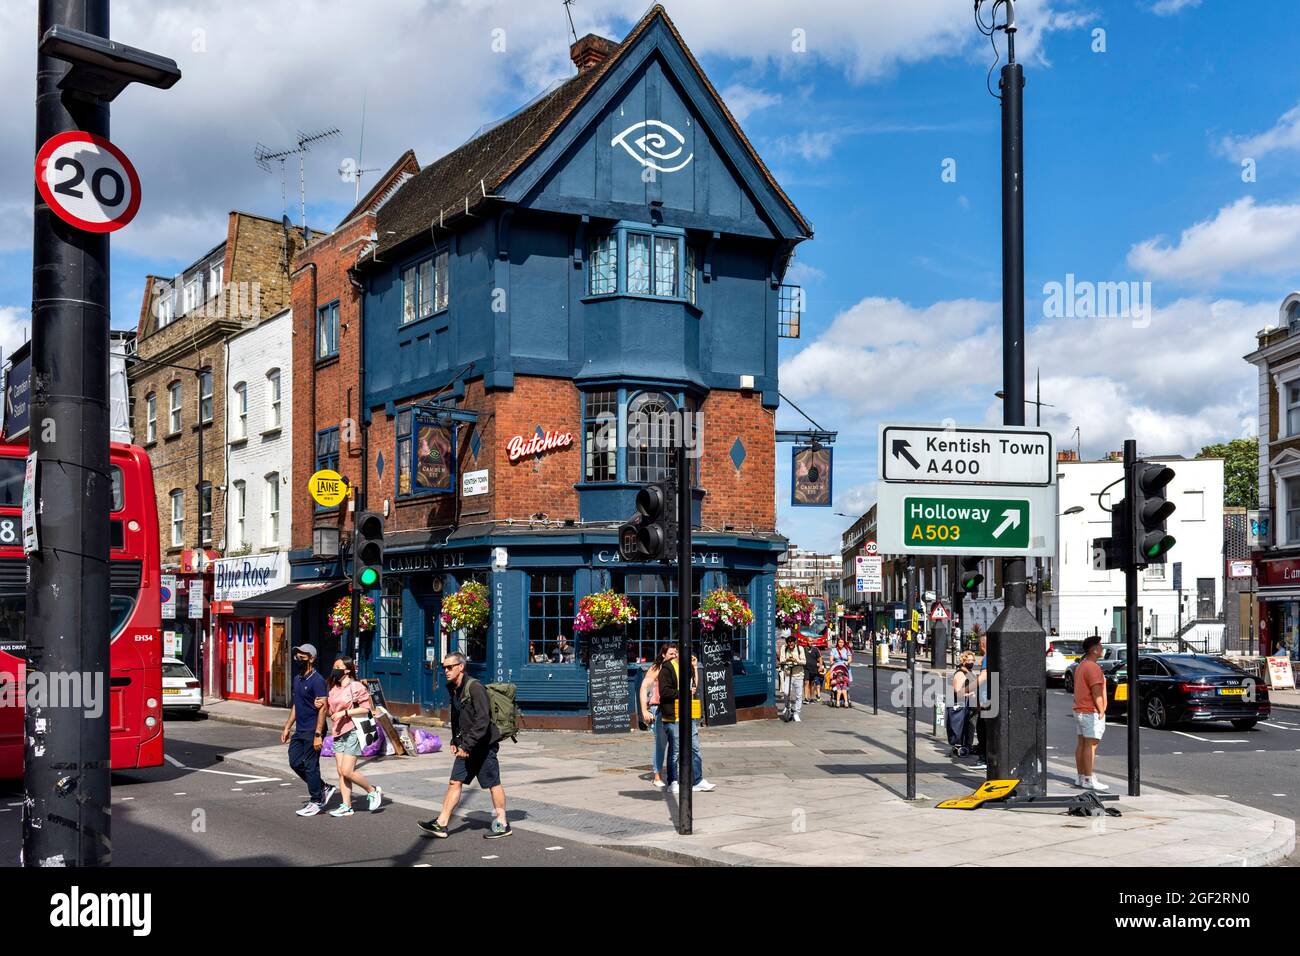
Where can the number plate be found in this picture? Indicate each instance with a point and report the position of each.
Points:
(171, 690)
(1232, 692)
(1121, 692)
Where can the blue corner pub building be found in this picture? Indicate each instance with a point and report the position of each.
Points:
(616, 247)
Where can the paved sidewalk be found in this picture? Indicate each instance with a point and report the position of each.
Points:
(827, 791)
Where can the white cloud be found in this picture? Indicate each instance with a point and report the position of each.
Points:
(1284, 135)
(743, 100)
(884, 359)
(1243, 237)
(1165, 8)
(800, 273)
(809, 145)
(15, 328)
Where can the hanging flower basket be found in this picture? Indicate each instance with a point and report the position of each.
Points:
(604, 609)
(794, 608)
(468, 609)
(340, 618)
(723, 608)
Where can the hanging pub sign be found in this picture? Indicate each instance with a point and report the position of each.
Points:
(810, 479)
(434, 450)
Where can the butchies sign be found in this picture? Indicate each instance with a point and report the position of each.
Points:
(538, 443)
(235, 579)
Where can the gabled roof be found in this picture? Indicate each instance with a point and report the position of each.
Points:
(406, 167)
(453, 186)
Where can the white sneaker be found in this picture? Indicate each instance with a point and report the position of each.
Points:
(310, 810)
(1078, 781)
(798, 719)
(704, 786)
(674, 788)
(1093, 783)
(659, 784)
(374, 799)
(329, 795)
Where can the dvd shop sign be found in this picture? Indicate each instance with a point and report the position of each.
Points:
(538, 444)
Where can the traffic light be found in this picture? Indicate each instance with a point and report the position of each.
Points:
(651, 534)
(970, 575)
(368, 551)
(1149, 509)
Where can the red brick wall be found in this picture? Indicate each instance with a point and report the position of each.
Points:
(743, 497)
(326, 395)
(532, 483)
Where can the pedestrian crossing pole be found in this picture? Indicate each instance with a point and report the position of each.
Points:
(911, 680)
(685, 670)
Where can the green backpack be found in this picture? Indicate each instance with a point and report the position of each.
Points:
(504, 711)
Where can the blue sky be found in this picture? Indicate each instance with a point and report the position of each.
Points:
(1133, 173)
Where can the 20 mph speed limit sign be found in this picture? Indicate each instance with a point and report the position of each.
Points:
(87, 181)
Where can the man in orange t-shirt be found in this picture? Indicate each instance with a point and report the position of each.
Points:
(1089, 714)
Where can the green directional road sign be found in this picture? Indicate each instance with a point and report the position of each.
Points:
(966, 525)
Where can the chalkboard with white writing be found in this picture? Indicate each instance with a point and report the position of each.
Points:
(719, 692)
(608, 686)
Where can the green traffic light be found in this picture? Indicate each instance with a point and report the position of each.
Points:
(369, 576)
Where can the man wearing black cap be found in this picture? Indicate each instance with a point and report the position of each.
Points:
(304, 729)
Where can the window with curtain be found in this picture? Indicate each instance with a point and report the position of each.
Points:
(638, 263)
(666, 265)
(327, 331)
(602, 265)
(273, 509)
(425, 287)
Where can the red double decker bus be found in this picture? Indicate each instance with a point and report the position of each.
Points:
(135, 656)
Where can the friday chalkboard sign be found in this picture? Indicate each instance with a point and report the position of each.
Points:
(719, 692)
(607, 684)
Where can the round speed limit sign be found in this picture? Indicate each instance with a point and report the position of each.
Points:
(87, 181)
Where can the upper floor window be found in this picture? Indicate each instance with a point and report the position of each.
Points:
(215, 279)
(273, 399)
(192, 294)
(166, 306)
(178, 518)
(327, 451)
(327, 331)
(1292, 408)
(638, 260)
(205, 512)
(273, 509)
(239, 426)
(424, 288)
(241, 514)
(205, 396)
(151, 417)
(652, 431)
(600, 436)
(174, 407)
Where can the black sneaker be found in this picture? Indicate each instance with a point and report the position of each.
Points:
(433, 828)
(498, 831)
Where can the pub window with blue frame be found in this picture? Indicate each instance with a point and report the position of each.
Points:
(600, 436)
(473, 644)
(551, 639)
(654, 262)
(424, 288)
(327, 331)
(654, 596)
(739, 584)
(390, 619)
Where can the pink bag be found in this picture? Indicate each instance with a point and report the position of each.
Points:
(426, 743)
(327, 747)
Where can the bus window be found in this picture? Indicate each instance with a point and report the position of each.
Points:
(11, 482)
(115, 474)
(119, 610)
(13, 611)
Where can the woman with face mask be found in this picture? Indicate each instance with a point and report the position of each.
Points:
(349, 698)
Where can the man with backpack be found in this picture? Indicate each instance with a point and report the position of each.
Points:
(475, 739)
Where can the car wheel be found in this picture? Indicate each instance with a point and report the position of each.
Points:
(1067, 682)
(1245, 724)
(1157, 716)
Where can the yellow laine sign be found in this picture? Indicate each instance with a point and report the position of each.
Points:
(327, 488)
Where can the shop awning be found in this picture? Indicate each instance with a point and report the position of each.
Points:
(282, 601)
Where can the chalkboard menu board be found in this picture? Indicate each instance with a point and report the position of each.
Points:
(608, 688)
(719, 693)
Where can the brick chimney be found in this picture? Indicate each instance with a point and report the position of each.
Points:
(1067, 454)
(590, 51)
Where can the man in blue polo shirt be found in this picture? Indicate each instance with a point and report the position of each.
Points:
(304, 729)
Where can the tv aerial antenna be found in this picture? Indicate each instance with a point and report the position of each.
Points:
(351, 170)
(264, 156)
(568, 4)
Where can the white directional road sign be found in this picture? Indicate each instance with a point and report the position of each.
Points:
(1006, 455)
(916, 518)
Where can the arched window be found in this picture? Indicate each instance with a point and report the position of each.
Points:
(652, 428)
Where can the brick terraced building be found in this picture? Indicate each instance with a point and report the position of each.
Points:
(614, 249)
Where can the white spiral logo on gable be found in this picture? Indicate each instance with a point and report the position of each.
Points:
(653, 145)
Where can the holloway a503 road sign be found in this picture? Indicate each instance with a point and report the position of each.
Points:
(915, 518)
(965, 455)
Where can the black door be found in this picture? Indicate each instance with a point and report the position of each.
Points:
(1204, 598)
